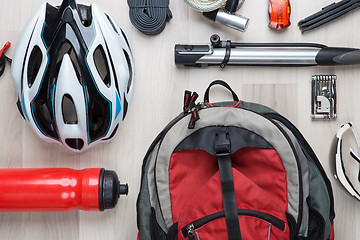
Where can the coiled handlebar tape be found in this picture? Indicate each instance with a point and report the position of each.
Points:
(149, 16)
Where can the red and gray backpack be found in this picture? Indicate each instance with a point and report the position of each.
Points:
(232, 170)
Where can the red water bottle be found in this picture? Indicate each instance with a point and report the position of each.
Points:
(59, 189)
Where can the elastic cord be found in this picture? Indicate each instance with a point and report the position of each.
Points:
(149, 16)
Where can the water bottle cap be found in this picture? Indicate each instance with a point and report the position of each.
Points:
(112, 189)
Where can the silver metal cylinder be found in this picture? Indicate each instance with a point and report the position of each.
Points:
(262, 56)
(232, 20)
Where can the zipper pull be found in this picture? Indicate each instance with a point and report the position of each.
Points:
(191, 107)
(194, 116)
(190, 231)
(187, 97)
(189, 100)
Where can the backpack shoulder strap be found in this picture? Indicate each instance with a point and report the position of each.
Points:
(222, 150)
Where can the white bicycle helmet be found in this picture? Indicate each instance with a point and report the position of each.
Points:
(73, 73)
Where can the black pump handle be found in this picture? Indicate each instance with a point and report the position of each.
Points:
(222, 83)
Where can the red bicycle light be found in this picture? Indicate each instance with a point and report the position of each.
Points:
(279, 14)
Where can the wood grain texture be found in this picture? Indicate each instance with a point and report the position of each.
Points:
(158, 98)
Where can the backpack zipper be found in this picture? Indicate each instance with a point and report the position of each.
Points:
(191, 228)
(194, 111)
(190, 232)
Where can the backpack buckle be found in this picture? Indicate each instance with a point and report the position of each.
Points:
(222, 144)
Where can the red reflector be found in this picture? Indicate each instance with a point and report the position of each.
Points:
(279, 14)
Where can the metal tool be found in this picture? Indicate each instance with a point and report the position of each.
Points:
(328, 14)
(323, 97)
(266, 54)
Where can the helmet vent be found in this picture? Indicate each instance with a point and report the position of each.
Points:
(85, 14)
(86, 23)
(75, 143)
(130, 70)
(96, 117)
(113, 133)
(44, 112)
(101, 65)
(69, 110)
(44, 118)
(112, 24)
(127, 42)
(99, 118)
(126, 105)
(66, 48)
(34, 65)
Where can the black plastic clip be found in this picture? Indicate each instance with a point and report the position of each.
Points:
(227, 54)
(222, 144)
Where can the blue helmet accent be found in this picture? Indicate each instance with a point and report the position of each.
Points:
(118, 106)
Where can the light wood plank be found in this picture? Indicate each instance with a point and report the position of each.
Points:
(158, 98)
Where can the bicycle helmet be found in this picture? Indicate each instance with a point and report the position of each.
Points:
(73, 73)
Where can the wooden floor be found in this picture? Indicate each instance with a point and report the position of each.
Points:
(157, 99)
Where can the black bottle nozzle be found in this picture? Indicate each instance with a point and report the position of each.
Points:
(111, 190)
(123, 189)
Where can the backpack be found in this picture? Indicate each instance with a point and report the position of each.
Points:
(232, 170)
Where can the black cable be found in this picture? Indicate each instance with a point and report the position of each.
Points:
(149, 16)
(3, 60)
(8, 59)
(231, 5)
